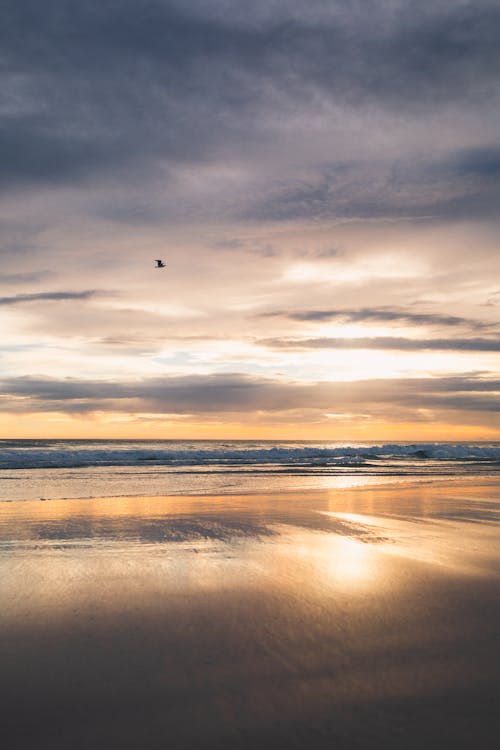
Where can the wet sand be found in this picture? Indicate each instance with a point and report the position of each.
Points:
(354, 618)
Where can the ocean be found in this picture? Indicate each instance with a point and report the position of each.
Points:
(56, 469)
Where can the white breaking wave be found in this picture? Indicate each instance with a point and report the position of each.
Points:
(19, 454)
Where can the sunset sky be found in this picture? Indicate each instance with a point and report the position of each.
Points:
(322, 179)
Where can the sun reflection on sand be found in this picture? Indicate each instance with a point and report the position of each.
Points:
(340, 562)
(351, 562)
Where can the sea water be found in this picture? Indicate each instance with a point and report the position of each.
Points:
(49, 469)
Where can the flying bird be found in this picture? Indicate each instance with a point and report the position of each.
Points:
(159, 263)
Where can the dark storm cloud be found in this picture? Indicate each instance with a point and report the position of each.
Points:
(20, 299)
(384, 342)
(93, 85)
(378, 315)
(238, 393)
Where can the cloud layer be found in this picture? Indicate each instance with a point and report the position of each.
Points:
(234, 393)
(322, 179)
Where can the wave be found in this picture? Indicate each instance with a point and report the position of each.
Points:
(43, 454)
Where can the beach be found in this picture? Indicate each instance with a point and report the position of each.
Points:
(361, 617)
(249, 375)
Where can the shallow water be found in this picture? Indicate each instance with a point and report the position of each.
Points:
(86, 468)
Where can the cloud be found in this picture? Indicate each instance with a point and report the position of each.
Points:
(93, 87)
(378, 315)
(464, 183)
(246, 395)
(27, 277)
(384, 342)
(21, 299)
(182, 129)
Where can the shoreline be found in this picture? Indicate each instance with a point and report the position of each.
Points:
(339, 483)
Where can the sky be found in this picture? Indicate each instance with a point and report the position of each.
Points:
(322, 180)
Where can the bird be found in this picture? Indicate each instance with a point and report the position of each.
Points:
(159, 263)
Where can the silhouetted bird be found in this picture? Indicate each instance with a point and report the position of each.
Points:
(159, 263)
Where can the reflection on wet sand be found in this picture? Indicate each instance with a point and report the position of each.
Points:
(362, 618)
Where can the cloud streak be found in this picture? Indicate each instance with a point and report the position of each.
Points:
(378, 315)
(21, 299)
(383, 343)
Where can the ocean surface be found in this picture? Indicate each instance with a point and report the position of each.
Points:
(50, 469)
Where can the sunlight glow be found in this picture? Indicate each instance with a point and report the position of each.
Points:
(350, 564)
(344, 562)
(398, 266)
